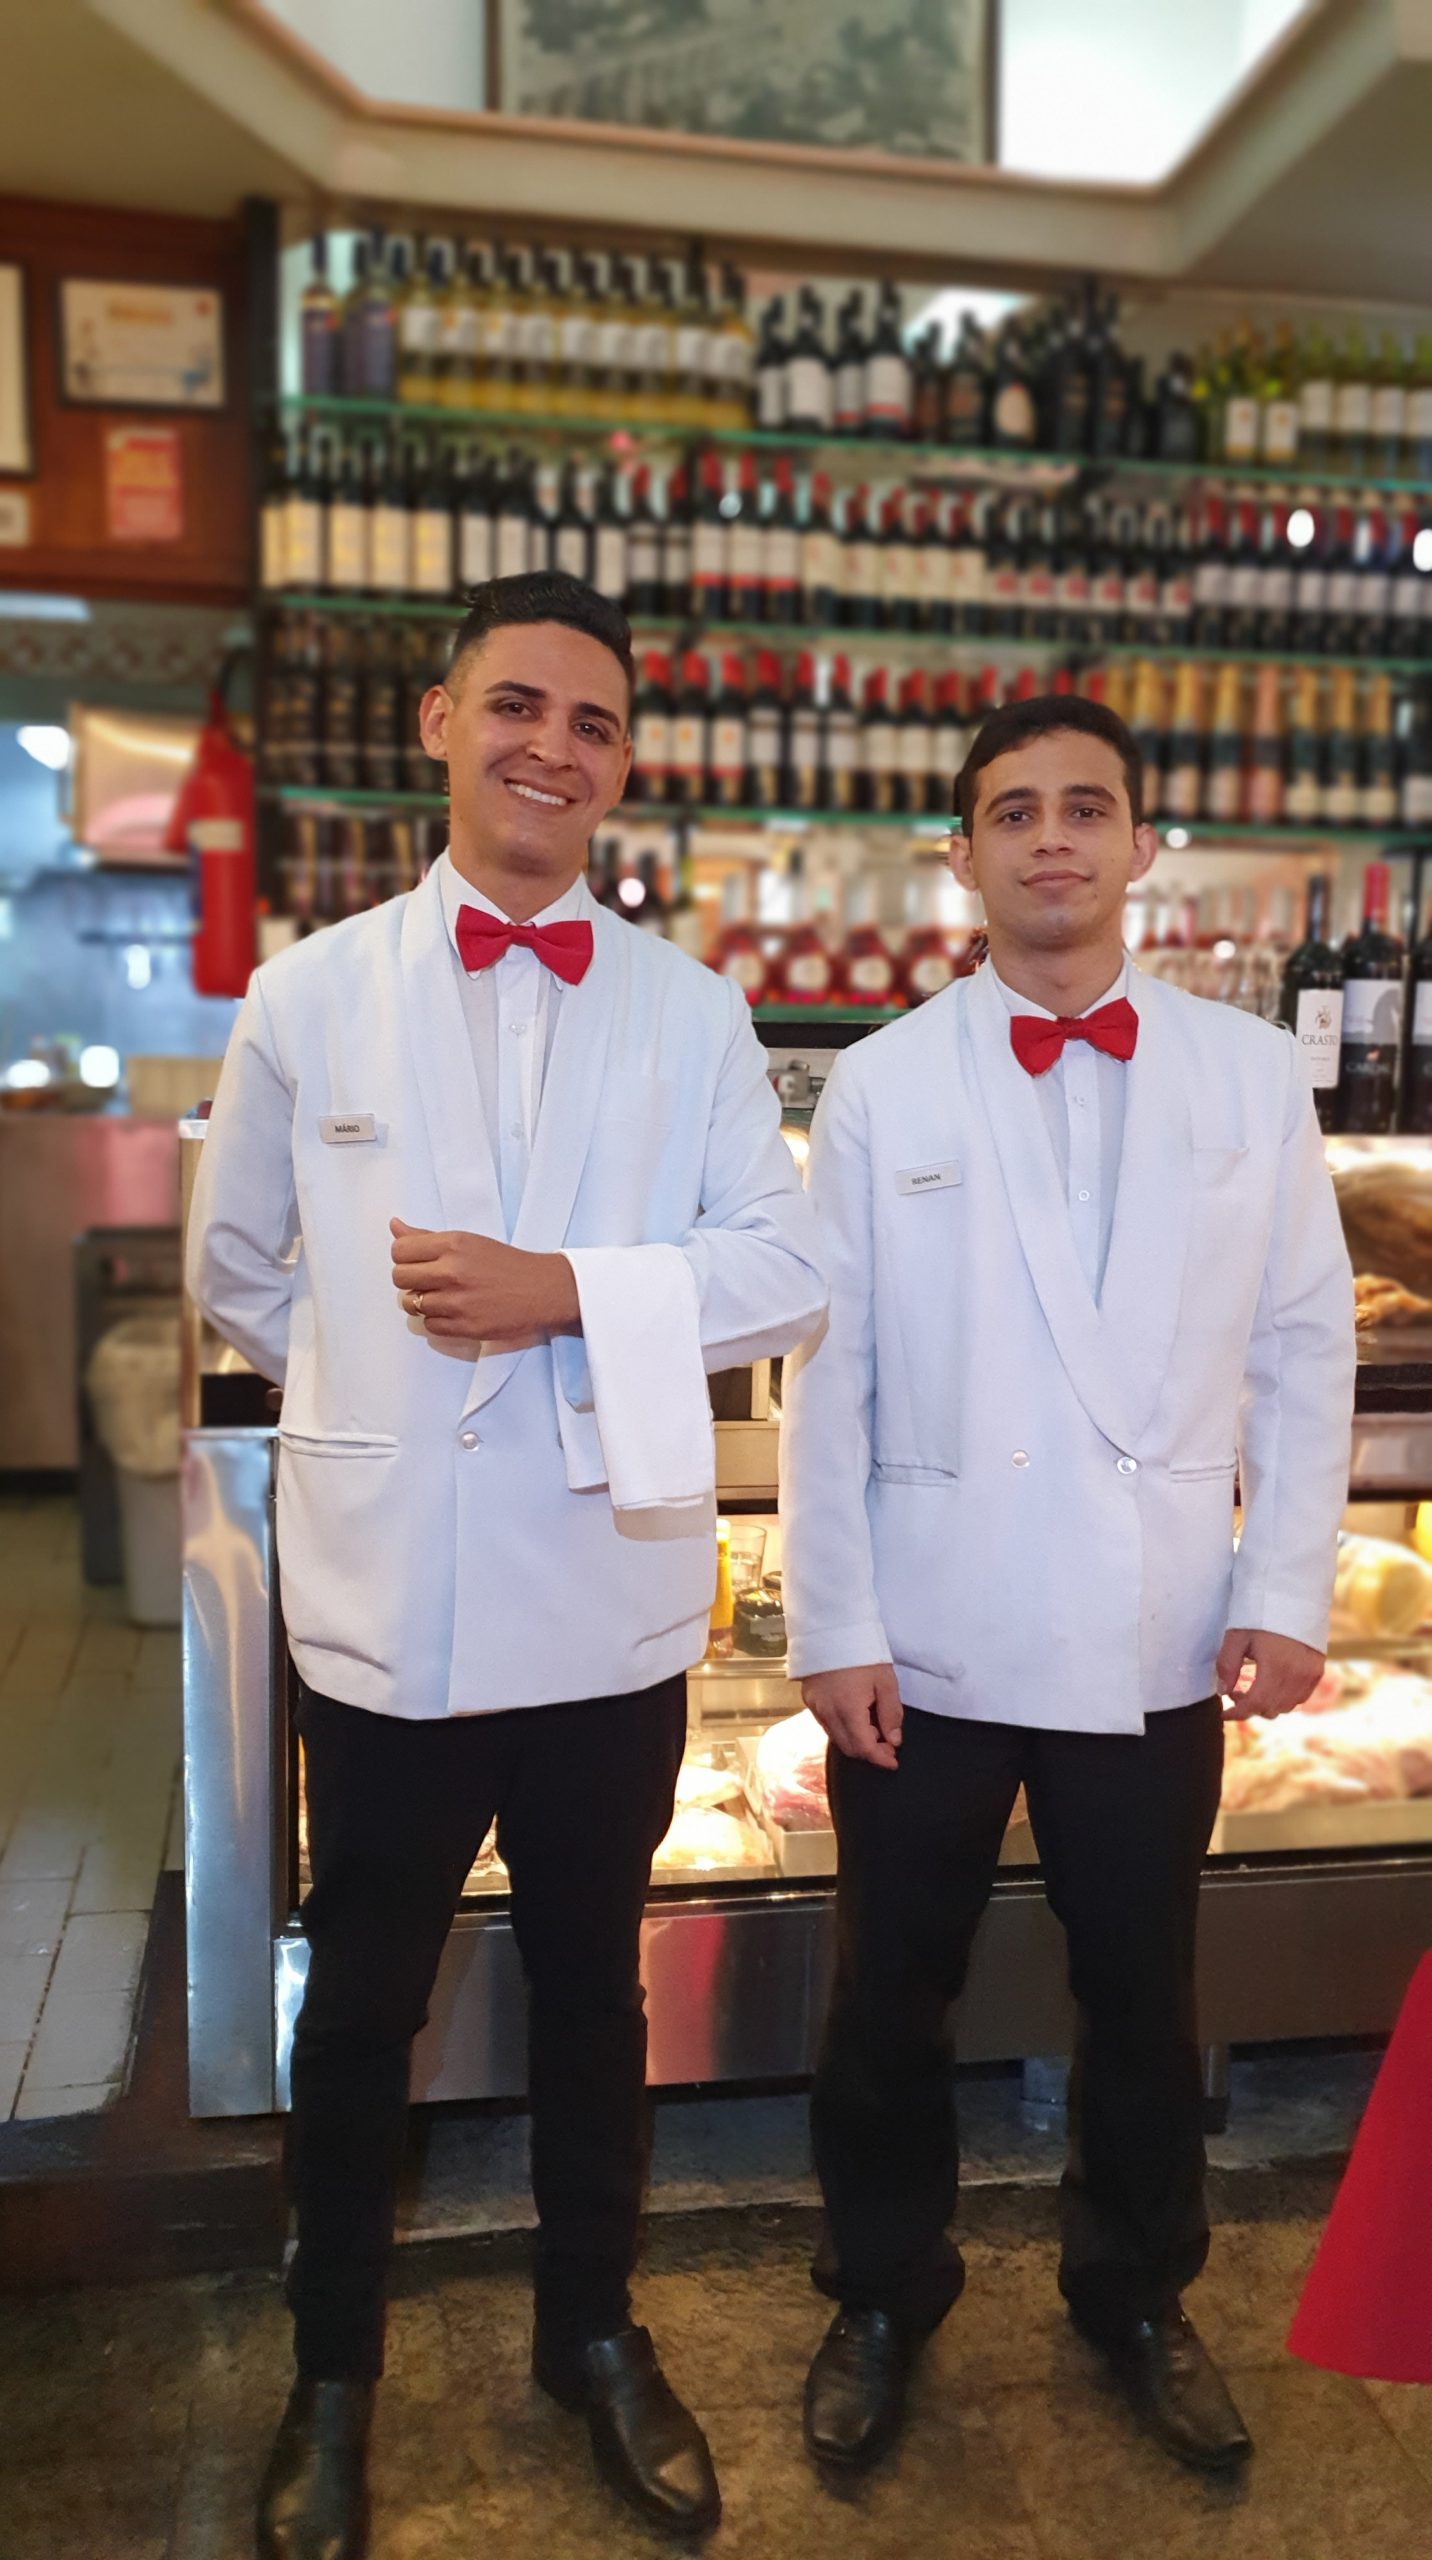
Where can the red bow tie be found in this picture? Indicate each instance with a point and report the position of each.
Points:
(1037, 1042)
(566, 949)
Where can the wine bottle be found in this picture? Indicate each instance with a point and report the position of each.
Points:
(1266, 753)
(927, 963)
(803, 773)
(419, 314)
(849, 419)
(765, 736)
(643, 594)
(743, 545)
(512, 520)
(474, 521)
(304, 517)
(820, 557)
(1377, 789)
(1352, 407)
(1308, 619)
(1183, 773)
(318, 325)
(771, 358)
(1303, 793)
(967, 389)
(809, 387)
(780, 548)
(888, 385)
(1372, 1014)
(708, 545)
(1342, 757)
(273, 513)
(1274, 622)
(863, 582)
(1415, 1110)
(915, 752)
(869, 973)
(686, 772)
(351, 376)
(651, 729)
(737, 953)
(432, 565)
(609, 536)
(1210, 578)
(1316, 402)
(572, 532)
(726, 758)
(1013, 419)
(839, 741)
(676, 546)
(1224, 785)
(804, 972)
(878, 748)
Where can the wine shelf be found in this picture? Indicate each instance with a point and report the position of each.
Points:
(848, 637)
(1197, 834)
(942, 460)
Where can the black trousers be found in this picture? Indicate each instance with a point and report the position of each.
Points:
(1122, 1823)
(397, 1811)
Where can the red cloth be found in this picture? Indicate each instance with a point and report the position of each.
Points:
(1367, 2304)
(565, 948)
(1039, 1041)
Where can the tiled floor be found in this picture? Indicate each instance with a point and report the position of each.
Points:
(90, 1741)
(136, 2420)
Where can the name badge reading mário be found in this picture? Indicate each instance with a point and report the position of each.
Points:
(927, 1177)
(347, 1128)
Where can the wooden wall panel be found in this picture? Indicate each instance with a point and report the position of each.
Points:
(70, 548)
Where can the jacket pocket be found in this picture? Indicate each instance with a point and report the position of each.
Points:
(338, 1444)
(895, 1471)
(1204, 1467)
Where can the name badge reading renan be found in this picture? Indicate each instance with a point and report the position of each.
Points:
(927, 1177)
(347, 1128)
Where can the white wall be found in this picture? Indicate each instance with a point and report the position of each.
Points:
(1119, 88)
(428, 54)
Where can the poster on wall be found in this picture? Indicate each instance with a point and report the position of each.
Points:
(143, 484)
(141, 346)
(905, 76)
(15, 451)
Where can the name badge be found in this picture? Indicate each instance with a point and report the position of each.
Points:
(347, 1128)
(927, 1177)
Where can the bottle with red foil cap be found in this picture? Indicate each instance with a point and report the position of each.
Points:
(1028, 684)
(726, 735)
(708, 544)
(839, 742)
(804, 973)
(1062, 680)
(780, 548)
(916, 748)
(738, 950)
(651, 729)
(951, 738)
(988, 694)
(820, 557)
(803, 727)
(743, 546)
(879, 745)
(765, 736)
(870, 974)
(686, 772)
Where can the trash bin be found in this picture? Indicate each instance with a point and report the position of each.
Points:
(133, 1382)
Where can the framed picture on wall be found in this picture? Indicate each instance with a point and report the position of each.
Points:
(141, 346)
(16, 450)
(911, 77)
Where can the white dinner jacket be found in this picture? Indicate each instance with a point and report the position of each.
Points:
(448, 1536)
(1024, 1498)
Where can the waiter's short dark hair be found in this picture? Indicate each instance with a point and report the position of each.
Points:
(544, 595)
(1018, 724)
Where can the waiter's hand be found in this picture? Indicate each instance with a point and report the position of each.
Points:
(1284, 1673)
(472, 1289)
(860, 1710)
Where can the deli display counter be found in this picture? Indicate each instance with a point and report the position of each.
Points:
(1318, 1894)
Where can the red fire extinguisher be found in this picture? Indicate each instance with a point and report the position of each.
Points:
(213, 820)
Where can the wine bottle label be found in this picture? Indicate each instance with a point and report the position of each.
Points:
(609, 560)
(577, 342)
(1210, 585)
(864, 580)
(1310, 593)
(1417, 799)
(691, 353)
(1389, 405)
(1352, 408)
(1374, 596)
(871, 976)
(1108, 593)
(736, 351)
(887, 391)
(805, 742)
(1177, 595)
(1342, 591)
(849, 395)
(933, 573)
(1404, 596)
(1422, 1014)
(303, 540)
(820, 563)
(539, 339)
(569, 552)
(1182, 786)
(1372, 1012)
(432, 552)
(896, 572)
(1143, 593)
(809, 973)
(708, 554)
(651, 746)
(763, 736)
(1315, 408)
(676, 559)
(1225, 791)
(840, 745)
(688, 743)
(643, 555)
(1243, 586)
(916, 755)
(389, 548)
(1280, 431)
(932, 973)
(743, 555)
(654, 349)
(881, 744)
(1014, 414)
(460, 334)
(1275, 590)
(771, 398)
(728, 746)
(1072, 589)
(418, 328)
(475, 549)
(501, 336)
(782, 564)
(1417, 422)
(273, 544)
(1319, 1033)
(510, 550)
(1240, 430)
(809, 391)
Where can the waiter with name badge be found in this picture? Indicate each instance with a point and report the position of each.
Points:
(492, 1181)
(1086, 1272)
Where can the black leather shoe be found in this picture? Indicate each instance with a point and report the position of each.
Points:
(855, 2389)
(1176, 2389)
(313, 2504)
(647, 2445)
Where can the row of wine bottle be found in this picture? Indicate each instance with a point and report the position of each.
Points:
(719, 540)
(1361, 1013)
(473, 325)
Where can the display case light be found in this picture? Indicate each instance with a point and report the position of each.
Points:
(99, 1068)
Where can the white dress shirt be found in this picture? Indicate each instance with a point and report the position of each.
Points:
(511, 1014)
(1082, 1099)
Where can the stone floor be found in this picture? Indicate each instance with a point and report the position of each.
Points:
(90, 1743)
(135, 2421)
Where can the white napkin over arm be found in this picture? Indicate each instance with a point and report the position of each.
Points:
(641, 1326)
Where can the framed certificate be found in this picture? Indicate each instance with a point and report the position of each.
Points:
(16, 451)
(141, 346)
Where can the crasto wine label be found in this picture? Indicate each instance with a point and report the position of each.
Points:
(1319, 1033)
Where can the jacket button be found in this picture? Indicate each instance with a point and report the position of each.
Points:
(1128, 1466)
(1020, 1458)
(469, 1439)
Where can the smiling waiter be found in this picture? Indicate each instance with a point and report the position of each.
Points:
(1086, 1268)
(491, 1182)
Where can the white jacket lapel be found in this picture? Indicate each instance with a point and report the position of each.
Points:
(1087, 1344)
(1143, 1279)
(446, 1074)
